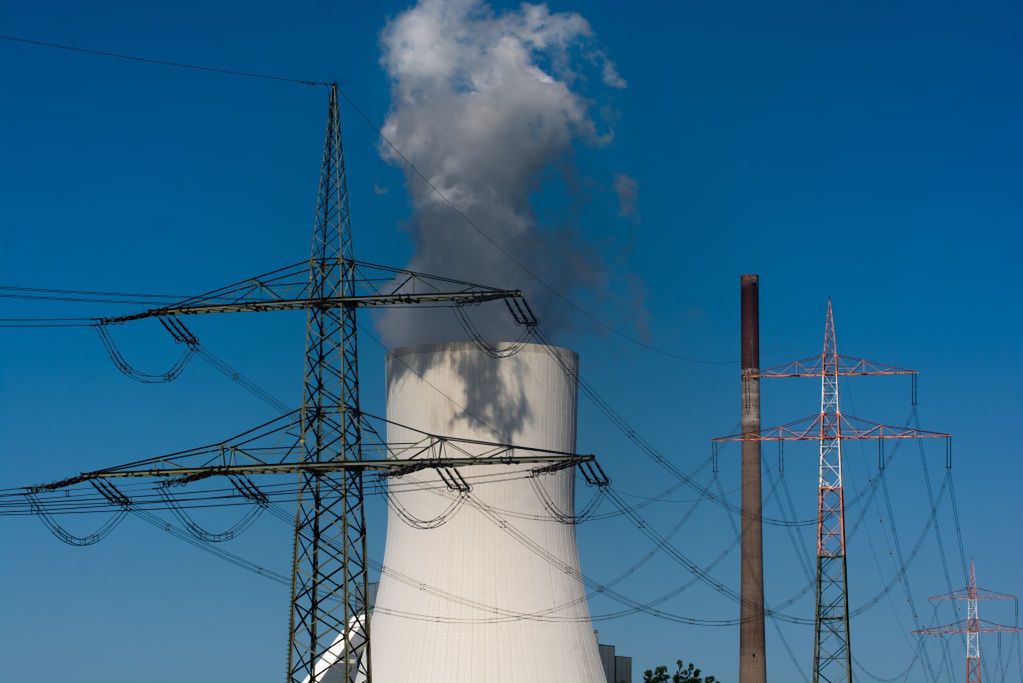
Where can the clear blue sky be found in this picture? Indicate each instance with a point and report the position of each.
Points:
(871, 153)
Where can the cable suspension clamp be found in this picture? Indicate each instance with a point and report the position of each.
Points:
(111, 493)
(405, 469)
(454, 479)
(189, 478)
(249, 490)
(591, 470)
(521, 312)
(551, 469)
(594, 474)
(178, 331)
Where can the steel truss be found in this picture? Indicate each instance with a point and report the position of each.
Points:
(832, 654)
(973, 626)
(272, 448)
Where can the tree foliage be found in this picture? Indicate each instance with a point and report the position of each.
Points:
(683, 674)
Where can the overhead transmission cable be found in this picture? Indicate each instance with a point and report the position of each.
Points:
(738, 536)
(500, 435)
(645, 446)
(904, 674)
(901, 567)
(163, 62)
(37, 323)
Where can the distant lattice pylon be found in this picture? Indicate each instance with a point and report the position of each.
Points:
(832, 654)
(973, 626)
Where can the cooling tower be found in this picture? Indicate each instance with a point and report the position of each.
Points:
(482, 587)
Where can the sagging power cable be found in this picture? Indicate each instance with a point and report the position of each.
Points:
(162, 62)
(202, 534)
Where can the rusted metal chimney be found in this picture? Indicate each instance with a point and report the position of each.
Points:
(752, 655)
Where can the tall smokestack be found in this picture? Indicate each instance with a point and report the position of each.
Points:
(752, 657)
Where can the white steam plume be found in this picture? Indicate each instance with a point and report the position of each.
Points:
(482, 103)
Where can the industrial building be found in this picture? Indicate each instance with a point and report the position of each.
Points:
(617, 668)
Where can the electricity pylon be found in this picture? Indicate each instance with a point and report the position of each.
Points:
(328, 588)
(832, 652)
(973, 626)
(328, 610)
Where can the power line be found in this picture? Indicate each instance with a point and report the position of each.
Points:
(36, 323)
(632, 434)
(35, 292)
(873, 482)
(163, 62)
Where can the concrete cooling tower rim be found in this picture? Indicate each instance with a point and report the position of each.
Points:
(529, 347)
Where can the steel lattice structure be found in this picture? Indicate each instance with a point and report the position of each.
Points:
(832, 648)
(973, 626)
(329, 588)
(832, 654)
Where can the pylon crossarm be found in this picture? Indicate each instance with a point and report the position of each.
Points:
(272, 441)
(852, 428)
(833, 364)
(395, 467)
(981, 594)
(985, 594)
(288, 289)
(263, 306)
(274, 447)
(966, 626)
(457, 440)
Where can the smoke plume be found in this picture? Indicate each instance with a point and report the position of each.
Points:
(627, 189)
(483, 103)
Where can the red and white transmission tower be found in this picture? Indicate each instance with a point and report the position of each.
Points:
(973, 626)
(832, 652)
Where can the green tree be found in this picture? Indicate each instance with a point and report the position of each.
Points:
(689, 674)
(683, 674)
(658, 675)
